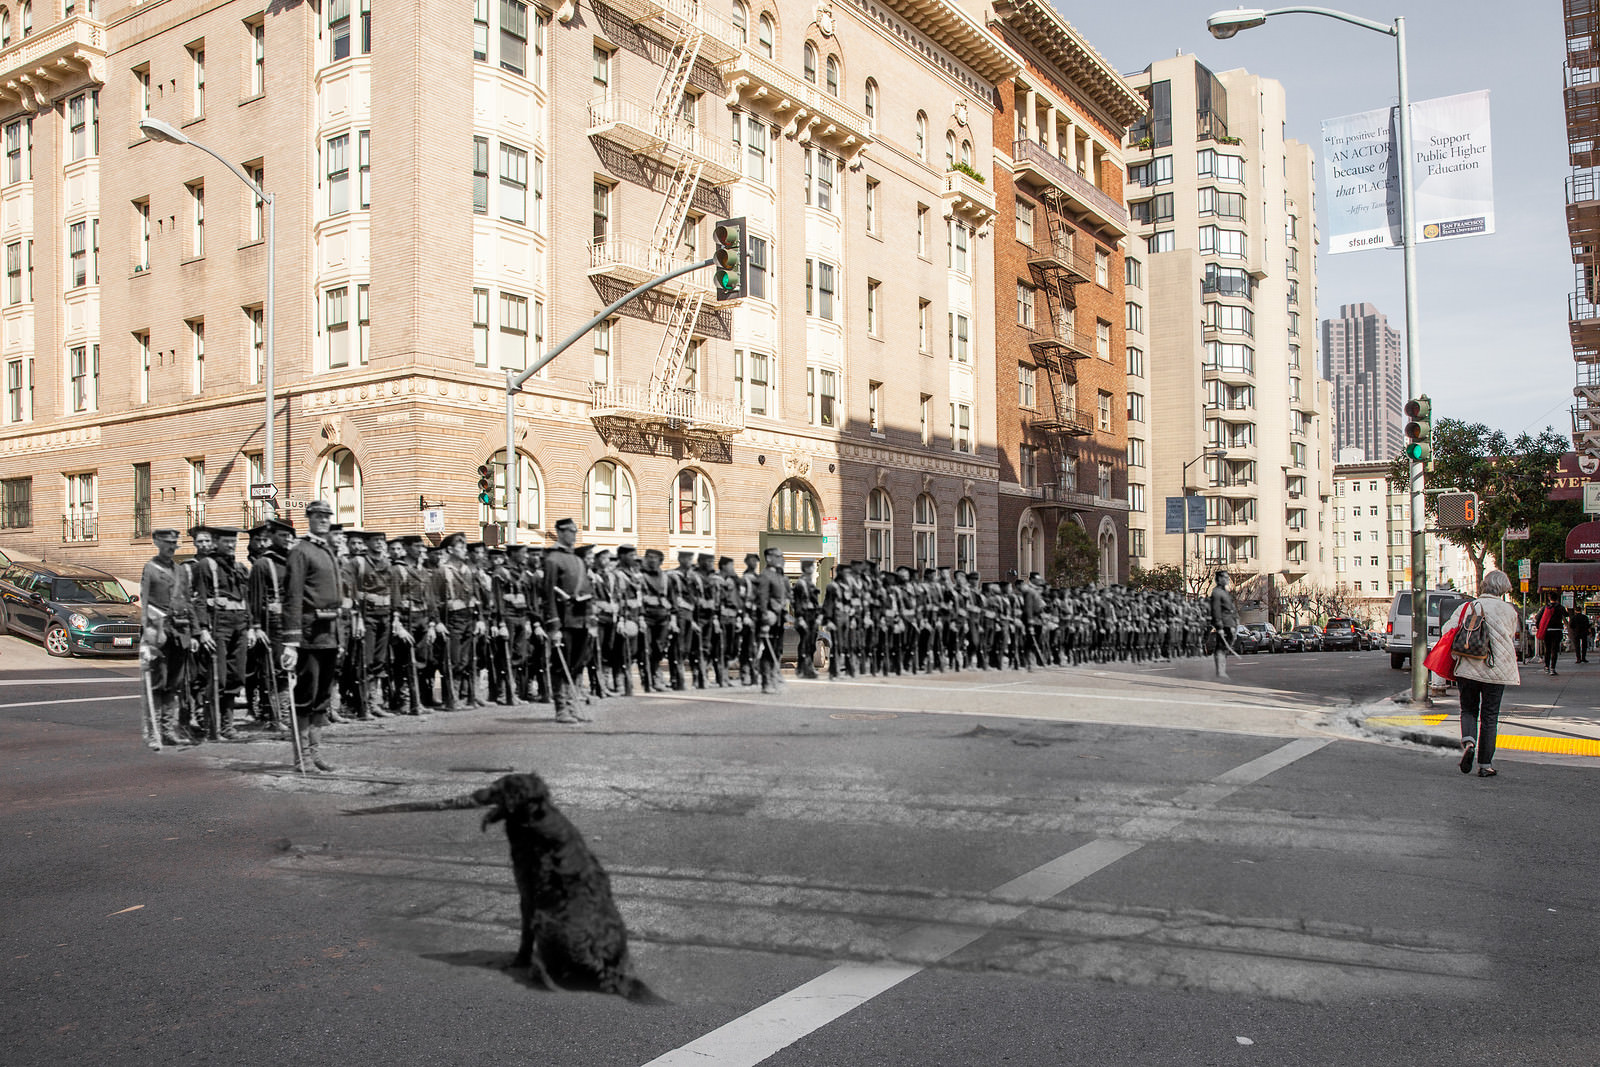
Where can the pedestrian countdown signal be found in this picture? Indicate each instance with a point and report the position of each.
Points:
(732, 267)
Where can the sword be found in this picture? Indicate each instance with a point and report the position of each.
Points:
(416, 691)
(294, 724)
(511, 679)
(150, 706)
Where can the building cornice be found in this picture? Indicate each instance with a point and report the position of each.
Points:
(1039, 24)
(950, 28)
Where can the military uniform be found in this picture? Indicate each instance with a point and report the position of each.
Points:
(311, 612)
(768, 607)
(163, 641)
(805, 603)
(568, 597)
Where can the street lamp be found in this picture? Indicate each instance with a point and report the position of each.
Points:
(1210, 453)
(157, 130)
(1223, 25)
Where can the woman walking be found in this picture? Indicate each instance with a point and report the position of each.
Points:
(1482, 682)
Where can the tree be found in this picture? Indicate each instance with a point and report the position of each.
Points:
(1077, 558)
(1162, 578)
(1512, 478)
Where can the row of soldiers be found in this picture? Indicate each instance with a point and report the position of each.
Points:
(351, 624)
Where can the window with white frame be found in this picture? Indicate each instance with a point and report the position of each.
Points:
(197, 349)
(925, 532)
(480, 327)
(1025, 294)
(84, 376)
(602, 212)
(1135, 317)
(608, 499)
(752, 372)
(822, 395)
(604, 338)
(77, 254)
(513, 184)
(1133, 272)
(197, 218)
(338, 171)
(875, 407)
(530, 496)
(1135, 503)
(339, 483)
(256, 320)
(1103, 480)
(257, 28)
(336, 324)
(81, 507)
(480, 30)
(257, 172)
(922, 230)
(880, 529)
(83, 122)
(514, 36)
(1220, 165)
(1102, 268)
(1024, 221)
(961, 427)
(966, 535)
(197, 76)
(15, 170)
(364, 169)
(141, 346)
(871, 204)
(756, 274)
(1027, 384)
(338, 30)
(959, 330)
(957, 246)
(1105, 410)
(765, 35)
(921, 138)
(924, 317)
(691, 511)
(1027, 466)
(1135, 362)
(14, 273)
(1135, 452)
(1102, 339)
(873, 286)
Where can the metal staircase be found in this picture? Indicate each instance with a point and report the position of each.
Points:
(1057, 344)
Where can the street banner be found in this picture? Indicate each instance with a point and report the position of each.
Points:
(1451, 173)
(1362, 188)
(1452, 170)
(1197, 514)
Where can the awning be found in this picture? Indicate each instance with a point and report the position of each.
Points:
(1570, 577)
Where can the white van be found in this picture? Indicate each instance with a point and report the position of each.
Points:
(1442, 603)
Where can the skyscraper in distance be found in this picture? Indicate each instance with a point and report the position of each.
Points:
(1362, 355)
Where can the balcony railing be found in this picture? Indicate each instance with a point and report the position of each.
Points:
(1041, 161)
(1057, 253)
(1073, 422)
(635, 260)
(73, 45)
(639, 127)
(1062, 340)
(968, 196)
(680, 17)
(801, 107)
(677, 409)
(82, 526)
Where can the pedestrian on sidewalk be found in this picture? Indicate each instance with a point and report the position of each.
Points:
(1482, 682)
(1552, 623)
(1224, 620)
(1579, 627)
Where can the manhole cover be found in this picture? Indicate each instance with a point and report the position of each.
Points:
(864, 716)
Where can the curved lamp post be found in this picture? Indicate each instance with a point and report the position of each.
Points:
(1223, 25)
(157, 130)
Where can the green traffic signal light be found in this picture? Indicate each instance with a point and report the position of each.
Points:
(731, 259)
(485, 484)
(1419, 430)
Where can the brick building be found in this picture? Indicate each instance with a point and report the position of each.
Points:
(440, 219)
(1060, 369)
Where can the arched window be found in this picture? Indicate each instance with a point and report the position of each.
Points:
(922, 136)
(767, 34)
(741, 22)
(949, 150)
(530, 495)
(966, 535)
(690, 511)
(966, 152)
(880, 528)
(810, 67)
(27, 20)
(5, 26)
(833, 76)
(1108, 553)
(608, 499)
(925, 531)
(793, 510)
(339, 483)
(1030, 544)
(870, 104)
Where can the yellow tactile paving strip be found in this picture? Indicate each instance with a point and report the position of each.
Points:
(1562, 746)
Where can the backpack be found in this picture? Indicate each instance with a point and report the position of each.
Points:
(1472, 637)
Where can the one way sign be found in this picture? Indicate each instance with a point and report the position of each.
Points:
(264, 491)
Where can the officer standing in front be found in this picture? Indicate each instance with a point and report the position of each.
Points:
(310, 630)
(567, 599)
(162, 642)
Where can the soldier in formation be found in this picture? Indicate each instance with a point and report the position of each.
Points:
(346, 624)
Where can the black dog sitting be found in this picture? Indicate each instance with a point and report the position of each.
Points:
(572, 934)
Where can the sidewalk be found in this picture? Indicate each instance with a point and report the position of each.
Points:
(1557, 715)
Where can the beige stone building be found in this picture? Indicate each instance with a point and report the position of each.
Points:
(1221, 309)
(460, 187)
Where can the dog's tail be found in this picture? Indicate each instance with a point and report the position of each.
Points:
(450, 804)
(635, 990)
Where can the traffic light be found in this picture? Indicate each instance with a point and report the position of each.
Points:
(731, 267)
(1419, 430)
(485, 484)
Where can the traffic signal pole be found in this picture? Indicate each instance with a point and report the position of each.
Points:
(515, 378)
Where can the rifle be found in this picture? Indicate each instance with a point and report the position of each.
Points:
(448, 686)
(472, 664)
(214, 731)
(416, 689)
(511, 678)
(150, 705)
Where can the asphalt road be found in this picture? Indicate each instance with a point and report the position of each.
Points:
(1116, 866)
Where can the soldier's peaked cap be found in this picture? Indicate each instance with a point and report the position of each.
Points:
(410, 539)
(319, 507)
(166, 533)
(808, 564)
(279, 524)
(451, 539)
(704, 557)
(724, 561)
(655, 553)
(370, 534)
(196, 531)
(582, 551)
(566, 524)
(748, 556)
(627, 550)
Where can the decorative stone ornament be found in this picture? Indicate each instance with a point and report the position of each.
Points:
(961, 112)
(825, 19)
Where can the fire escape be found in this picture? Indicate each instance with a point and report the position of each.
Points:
(1582, 92)
(662, 136)
(1057, 343)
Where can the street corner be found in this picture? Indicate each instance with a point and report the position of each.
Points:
(1530, 732)
(1433, 725)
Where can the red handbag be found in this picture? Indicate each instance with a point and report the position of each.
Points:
(1439, 659)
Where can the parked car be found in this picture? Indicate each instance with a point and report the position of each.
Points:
(72, 610)
(1340, 634)
(1268, 639)
(1245, 641)
(1310, 638)
(1293, 641)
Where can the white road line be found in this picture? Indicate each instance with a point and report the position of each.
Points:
(67, 681)
(774, 1026)
(1096, 694)
(72, 700)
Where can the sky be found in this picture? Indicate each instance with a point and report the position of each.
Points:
(1493, 309)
